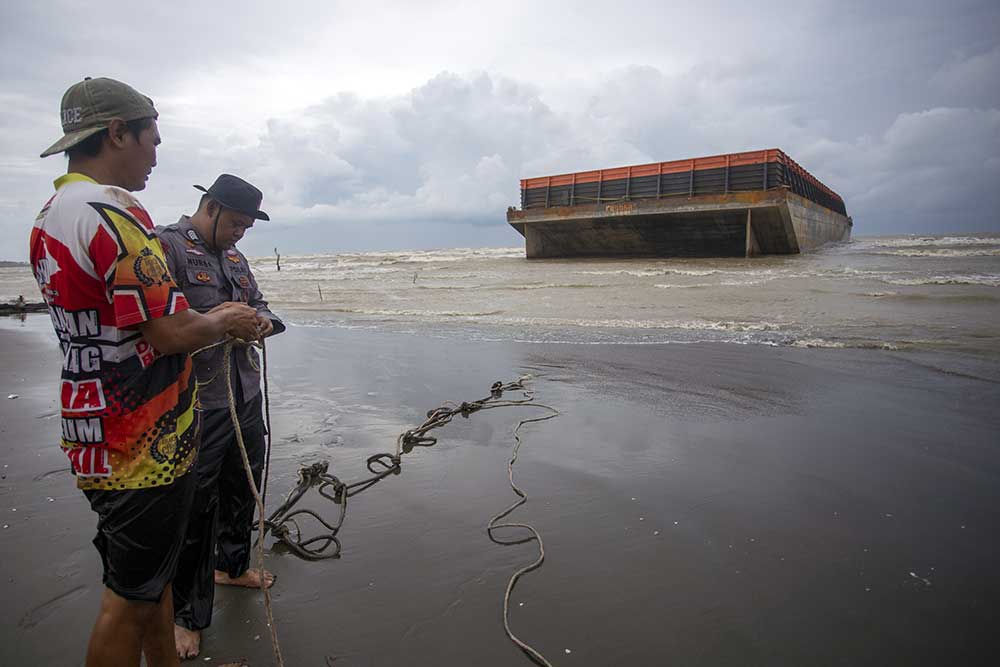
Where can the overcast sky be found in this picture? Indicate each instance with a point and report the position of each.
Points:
(385, 125)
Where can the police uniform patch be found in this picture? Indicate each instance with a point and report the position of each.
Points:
(194, 251)
(193, 235)
(244, 282)
(203, 277)
(150, 269)
(234, 260)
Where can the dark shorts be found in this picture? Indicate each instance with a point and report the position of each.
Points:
(139, 535)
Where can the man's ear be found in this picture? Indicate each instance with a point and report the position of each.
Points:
(117, 131)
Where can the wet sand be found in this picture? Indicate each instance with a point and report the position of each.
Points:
(706, 504)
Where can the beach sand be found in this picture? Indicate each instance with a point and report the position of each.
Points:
(702, 504)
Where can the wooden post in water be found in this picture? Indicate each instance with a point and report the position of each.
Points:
(320, 290)
(277, 259)
(749, 250)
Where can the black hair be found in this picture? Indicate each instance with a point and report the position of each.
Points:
(91, 146)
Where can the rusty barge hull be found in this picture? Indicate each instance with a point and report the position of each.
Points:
(776, 208)
(742, 224)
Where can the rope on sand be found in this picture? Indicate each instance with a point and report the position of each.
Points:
(283, 526)
(535, 535)
(376, 464)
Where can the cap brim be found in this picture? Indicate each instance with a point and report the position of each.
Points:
(70, 140)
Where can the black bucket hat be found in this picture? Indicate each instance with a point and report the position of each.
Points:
(236, 194)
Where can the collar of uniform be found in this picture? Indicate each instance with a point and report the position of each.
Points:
(72, 177)
(188, 230)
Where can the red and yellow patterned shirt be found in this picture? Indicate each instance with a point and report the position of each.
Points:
(128, 418)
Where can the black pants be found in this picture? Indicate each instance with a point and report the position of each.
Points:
(140, 534)
(219, 529)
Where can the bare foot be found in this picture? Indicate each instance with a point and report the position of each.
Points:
(250, 579)
(188, 642)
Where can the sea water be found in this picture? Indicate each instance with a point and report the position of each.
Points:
(895, 293)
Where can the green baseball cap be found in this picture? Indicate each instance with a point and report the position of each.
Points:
(89, 106)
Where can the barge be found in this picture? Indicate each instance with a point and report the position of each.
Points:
(734, 205)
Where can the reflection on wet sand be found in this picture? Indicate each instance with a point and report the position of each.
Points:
(700, 504)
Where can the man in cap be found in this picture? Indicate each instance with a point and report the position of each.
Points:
(201, 252)
(127, 391)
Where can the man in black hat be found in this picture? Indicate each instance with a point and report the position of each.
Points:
(201, 253)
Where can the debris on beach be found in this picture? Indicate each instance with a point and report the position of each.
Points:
(11, 396)
(21, 306)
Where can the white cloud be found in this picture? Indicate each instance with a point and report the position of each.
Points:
(398, 123)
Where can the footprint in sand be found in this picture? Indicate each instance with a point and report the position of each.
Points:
(50, 473)
(46, 609)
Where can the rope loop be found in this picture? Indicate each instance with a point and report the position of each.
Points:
(378, 465)
(436, 414)
(412, 441)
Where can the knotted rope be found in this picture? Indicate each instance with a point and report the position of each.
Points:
(282, 520)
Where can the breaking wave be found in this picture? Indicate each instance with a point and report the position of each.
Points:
(839, 345)
(941, 252)
(989, 280)
(413, 313)
(648, 273)
(915, 241)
